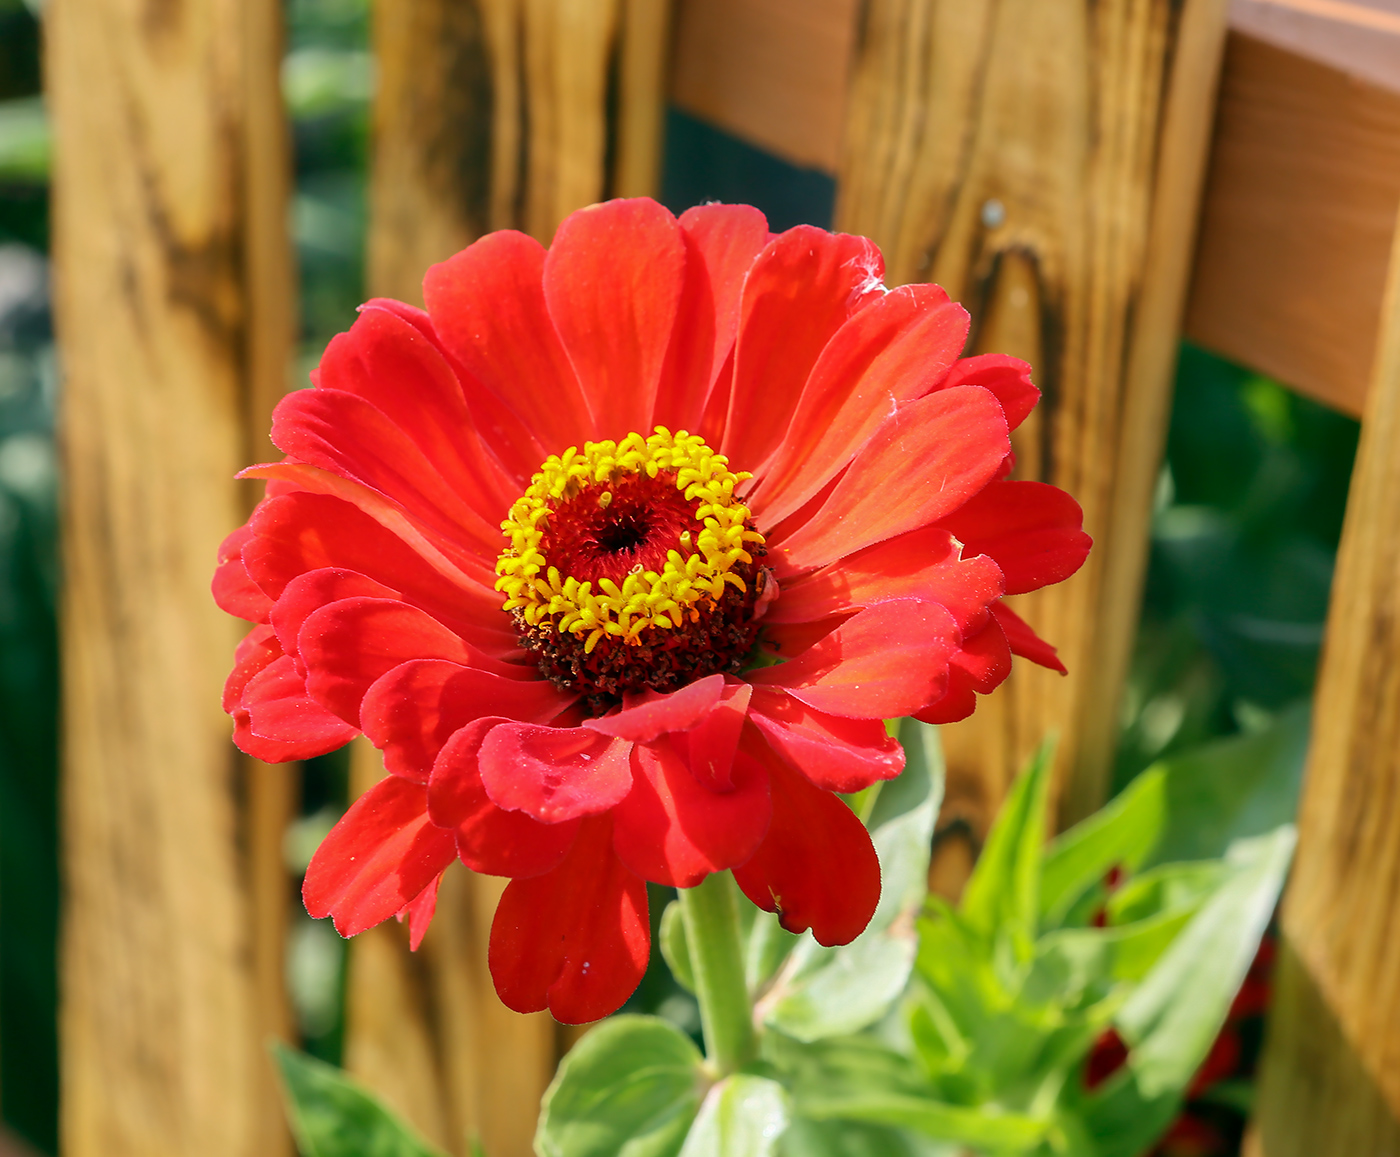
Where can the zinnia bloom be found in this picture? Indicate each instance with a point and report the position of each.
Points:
(620, 553)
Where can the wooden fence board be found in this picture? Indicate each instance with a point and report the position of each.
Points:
(1304, 178)
(487, 116)
(167, 294)
(772, 72)
(1297, 220)
(1042, 161)
(1332, 1064)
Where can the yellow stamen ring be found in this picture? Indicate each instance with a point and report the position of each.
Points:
(696, 567)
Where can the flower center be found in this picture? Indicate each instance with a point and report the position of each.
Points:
(630, 566)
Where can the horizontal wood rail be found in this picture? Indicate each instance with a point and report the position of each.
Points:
(1296, 226)
(1304, 176)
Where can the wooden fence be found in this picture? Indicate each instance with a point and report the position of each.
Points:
(1046, 160)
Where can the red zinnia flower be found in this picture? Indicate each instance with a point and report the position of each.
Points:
(754, 504)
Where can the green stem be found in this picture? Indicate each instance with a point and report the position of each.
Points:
(711, 917)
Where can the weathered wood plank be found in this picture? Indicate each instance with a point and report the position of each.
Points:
(488, 115)
(772, 72)
(1043, 161)
(1339, 1017)
(1304, 178)
(1296, 225)
(270, 793)
(641, 96)
(435, 183)
(426, 1030)
(168, 284)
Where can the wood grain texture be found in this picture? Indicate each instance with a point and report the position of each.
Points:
(495, 114)
(489, 114)
(641, 96)
(435, 181)
(1043, 162)
(167, 292)
(772, 72)
(1315, 1097)
(270, 792)
(1297, 220)
(1341, 913)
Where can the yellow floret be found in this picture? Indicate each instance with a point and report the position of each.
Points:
(696, 574)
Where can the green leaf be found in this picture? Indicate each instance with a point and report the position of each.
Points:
(806, 1138)
(1002, 896)
(631, 1088)
(334, 1116)
(840, 1066)
(982, 1126)
(767, 947)
(1234, 789)
(921, 779)
(1123, 833)
(1172, 1019)
(1189, 807)
(743, 1116)
(1166, 888)
(674, 948)
(825, 992)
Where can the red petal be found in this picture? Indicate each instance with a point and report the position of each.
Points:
(490, 839)
(799, 292)
(257, 649)
(308, 593)
(276, 720)
(891, 352)
(709, 746)
(816, 868)
(1031, 529)
(295, 533)
(981, 665)
(233, 590)
(348, 645)
(487, 304)
(672, 830)
(445, 554)
(378, 858)
(927, 459)
(612, 281)
(721, 243)
(835, 754)
(400, 371)
(1024, 641)
(554, 773)
(1007, 377)
(575, 941)
(655, 713)
(420, 911)
(922, 564)
(343, 433)
(510, 441)
(411, 711)
(888, 660)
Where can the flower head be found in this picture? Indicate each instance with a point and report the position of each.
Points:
(621, 553)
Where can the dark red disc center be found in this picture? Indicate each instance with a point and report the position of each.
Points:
(592, 537)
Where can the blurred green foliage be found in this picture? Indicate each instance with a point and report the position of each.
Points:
(1249, 512)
